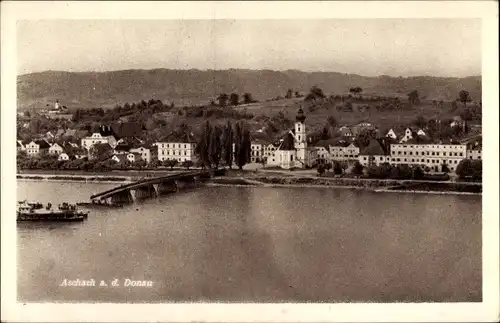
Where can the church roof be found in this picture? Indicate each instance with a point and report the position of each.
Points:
(288, 143)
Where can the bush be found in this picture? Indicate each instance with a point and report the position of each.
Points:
(357, 169)
(468, 168)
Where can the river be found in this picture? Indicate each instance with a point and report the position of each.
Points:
(255, 244)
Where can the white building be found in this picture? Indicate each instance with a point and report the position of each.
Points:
(428, 155)
(374, 154)
(56, 149)
(391, 134)
(97, 138)
(63, 156)
(180, 151)
(407, 135)
(474, 150)
(293, 151)
(145, 153)
(346, 152)
(34, 148)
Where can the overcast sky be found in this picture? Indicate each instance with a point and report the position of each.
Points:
(409, 47)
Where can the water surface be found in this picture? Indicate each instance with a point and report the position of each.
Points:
(256, 244)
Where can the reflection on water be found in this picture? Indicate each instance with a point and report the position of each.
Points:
(239, 244)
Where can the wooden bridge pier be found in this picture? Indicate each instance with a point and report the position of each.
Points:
(167, 187)
(146, 191)
(122, 197)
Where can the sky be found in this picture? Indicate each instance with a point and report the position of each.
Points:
(369, 47)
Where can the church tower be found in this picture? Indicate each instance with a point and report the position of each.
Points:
(301, 137)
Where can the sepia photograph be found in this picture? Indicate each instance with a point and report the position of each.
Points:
(336, 160)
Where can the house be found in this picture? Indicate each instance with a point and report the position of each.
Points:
(21, 145)
(122, 148)
(430, 155)
(59, 133)
(344, 151)
(391, 134)
(456, 122)
(56, 149)
(420, 132)
(49, 136)
(345, 132)
(180, 148)
(120, 159)
(268, 151)
(408, 134)
(37, 147)
(98, 138)
(144, 153)
(63, 156)
(293, 150)
(134, 157)
(474, 149)
(125, 129)
(257, 150)
(374, 154)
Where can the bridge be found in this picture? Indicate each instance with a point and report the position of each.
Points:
(151, 187)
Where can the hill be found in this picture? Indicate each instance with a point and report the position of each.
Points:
(190, 87)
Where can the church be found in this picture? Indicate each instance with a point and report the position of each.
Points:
(293, 151)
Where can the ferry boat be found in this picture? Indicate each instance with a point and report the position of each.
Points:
(33, 212)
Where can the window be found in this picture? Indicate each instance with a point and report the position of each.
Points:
(428, 161)
(416, 153)
(461, 154)
(455, 154)
(291, 157)
(168, 145)
(185, 146)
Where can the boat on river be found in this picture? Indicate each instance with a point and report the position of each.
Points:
(36, 212)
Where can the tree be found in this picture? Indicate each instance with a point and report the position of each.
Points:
(470, 168)
(235, 99)
(413, 97)
(357, 169)
(215, 146)
(222, 98)
(464, 97)
(187, 164)
(337, 167)
(328, 166)
(228, 141)
(202, 146)
(100, 151)
(321, 169)
(356, 90)
(247, 98)
(420, 122)
(315, 93)
(344, 165)
(418, 173)
(289, 94)
(242, 145)
(445, 168)
(364, 137)
(332, 121)
(171, 163)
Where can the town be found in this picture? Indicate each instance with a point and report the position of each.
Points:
(424, 146)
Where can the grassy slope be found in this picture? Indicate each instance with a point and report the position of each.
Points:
(88, 90)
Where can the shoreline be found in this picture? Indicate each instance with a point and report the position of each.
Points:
(371, 185)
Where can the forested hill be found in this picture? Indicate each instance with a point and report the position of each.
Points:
(185, 87)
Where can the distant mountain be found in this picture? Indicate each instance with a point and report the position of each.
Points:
(184, 87)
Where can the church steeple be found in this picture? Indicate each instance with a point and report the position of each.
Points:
(300, 115)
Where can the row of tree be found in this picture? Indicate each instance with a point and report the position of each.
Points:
(233, 99)
(216, 145)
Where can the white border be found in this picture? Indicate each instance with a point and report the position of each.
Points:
(488, 310)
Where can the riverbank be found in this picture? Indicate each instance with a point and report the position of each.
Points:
(278, 180)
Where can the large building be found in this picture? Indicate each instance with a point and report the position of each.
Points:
(430, 155)
(180, 151)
